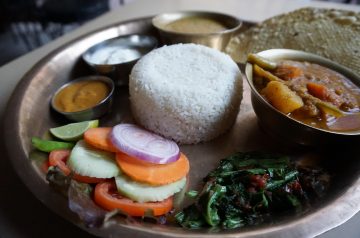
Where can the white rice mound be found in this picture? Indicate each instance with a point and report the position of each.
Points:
(186, 92)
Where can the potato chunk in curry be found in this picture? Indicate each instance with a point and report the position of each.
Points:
(281, 97)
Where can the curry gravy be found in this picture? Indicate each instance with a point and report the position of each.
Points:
(330, 100)
(196, 25)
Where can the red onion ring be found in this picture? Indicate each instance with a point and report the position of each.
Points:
(144, 145)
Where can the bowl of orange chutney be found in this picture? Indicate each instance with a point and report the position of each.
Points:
(84, 98)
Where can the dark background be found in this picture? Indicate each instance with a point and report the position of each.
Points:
(28, 24)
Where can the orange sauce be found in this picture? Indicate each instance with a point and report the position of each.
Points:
(81, 95)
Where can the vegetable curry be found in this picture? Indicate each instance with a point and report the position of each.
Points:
(309, 93)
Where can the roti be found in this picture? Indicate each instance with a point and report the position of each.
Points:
(333, 34)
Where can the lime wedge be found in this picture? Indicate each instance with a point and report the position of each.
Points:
(48, 145)
(73, 131)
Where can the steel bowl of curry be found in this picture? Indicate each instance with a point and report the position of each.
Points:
(84, 98)
(303, 97)
(207, 28)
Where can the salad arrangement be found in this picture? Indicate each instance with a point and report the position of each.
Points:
(124, 168)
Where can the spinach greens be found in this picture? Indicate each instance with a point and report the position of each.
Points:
(243, 189)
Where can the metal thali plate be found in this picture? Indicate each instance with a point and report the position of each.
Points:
(29, 114)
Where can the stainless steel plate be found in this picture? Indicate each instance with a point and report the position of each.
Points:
(29, 114)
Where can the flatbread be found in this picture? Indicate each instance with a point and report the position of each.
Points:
(334, 34)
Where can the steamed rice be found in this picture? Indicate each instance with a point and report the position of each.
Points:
(186, 92)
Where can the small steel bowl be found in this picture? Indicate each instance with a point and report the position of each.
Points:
(133, 48)
(286, 127)
(218, 40)
(91, 113)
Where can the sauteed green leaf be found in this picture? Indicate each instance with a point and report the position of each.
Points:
(244, 189)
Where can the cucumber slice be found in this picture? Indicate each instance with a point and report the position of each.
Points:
(88, 161)
(141, 192)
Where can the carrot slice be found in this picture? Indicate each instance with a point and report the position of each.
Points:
(318, 90)
(99, 138)
(153, 174)
(59, 157)
(325, 94)
(107, 196)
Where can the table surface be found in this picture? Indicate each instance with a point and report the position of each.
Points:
(21, 214)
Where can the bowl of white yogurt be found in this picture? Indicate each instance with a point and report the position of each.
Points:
(115, 57)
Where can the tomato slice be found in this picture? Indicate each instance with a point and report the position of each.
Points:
(107, 196)
(59, 157)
